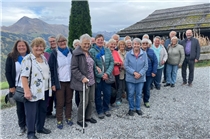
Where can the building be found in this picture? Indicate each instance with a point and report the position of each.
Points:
(179, 19)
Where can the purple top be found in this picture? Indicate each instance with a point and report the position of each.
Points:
(90, 74)
(188, 47)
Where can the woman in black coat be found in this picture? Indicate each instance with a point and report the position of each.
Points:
(13, 68)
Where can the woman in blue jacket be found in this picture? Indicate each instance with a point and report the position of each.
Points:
(136, 65)
(151, 72)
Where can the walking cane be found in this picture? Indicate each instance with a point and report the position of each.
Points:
(83, 126)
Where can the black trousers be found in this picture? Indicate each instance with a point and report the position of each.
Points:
(77, 99)
(36, 114)
(164, 71)
(190, 64)
(21, 114)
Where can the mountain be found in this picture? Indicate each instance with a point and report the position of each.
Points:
(35, 27)
(27, 29)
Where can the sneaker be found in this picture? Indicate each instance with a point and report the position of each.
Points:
(69, 122)
(147, 105)
(22, 131)
(130, 112)
(118, 103)
(59, 125)
(139, 112)
(107, 113)
(101, 116)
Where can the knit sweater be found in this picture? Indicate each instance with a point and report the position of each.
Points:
(176, 54)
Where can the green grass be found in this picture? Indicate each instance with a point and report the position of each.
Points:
(203, 63)
(3, 105)
(4, 85)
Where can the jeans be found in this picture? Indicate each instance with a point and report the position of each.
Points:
(171, 73)
(190, 64)
(102, 105)
(134, 91)
(157, 78)
(146, 88)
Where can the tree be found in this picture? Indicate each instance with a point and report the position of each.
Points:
(79, 21)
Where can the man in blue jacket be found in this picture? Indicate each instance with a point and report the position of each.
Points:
(192, 54)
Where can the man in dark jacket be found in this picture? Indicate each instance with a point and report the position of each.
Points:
(192, 54)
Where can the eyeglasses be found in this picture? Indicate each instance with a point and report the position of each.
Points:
(144, 43)
(61, 41)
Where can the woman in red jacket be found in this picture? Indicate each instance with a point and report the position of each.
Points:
(117, 64)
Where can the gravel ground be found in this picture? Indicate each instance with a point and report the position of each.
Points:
(181, 112)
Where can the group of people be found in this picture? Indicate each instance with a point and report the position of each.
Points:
(128, 66)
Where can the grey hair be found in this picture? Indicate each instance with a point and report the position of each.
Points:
(60, 36)
(137, 40)
(116, 35)
(145, 35)
(174, 38)
(51, 37)
(85, 37)
(75, 41)
(157, 37)
(111, 40)
(173, 32)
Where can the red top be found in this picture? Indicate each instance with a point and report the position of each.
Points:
(116, 57)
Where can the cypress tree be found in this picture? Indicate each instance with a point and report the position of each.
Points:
(79, 21)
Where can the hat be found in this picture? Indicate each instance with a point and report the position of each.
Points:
(9, 98)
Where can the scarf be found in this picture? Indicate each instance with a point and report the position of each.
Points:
(101, 53)
(64, 51)
(20, 58)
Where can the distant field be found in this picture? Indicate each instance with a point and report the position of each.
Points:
(4, 85)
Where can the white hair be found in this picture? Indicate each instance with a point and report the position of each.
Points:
(145, 35)
(145, 40)
(150, 42)
(85, 37)
(128, 41)
(75, 41)
(137, 40)
(157, 37)
(174, 38)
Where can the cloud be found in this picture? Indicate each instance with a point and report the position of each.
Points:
(106, 15)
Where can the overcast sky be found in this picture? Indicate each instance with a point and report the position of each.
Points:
(106, 15)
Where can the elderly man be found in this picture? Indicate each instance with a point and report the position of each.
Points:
(52, 43)
(93, 41)
(162, 56)
(116, 37)
(192, 54)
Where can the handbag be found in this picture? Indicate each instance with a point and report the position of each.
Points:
(111, 78)
(19, 91)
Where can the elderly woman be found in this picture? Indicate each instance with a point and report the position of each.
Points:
(122, 53)
(176, 57)
(145, 36)
(13, 70)
(162, 56)
(116, 71)
(76, 43)
(151, 72)
(60, 65)
(37, 90)
(82, 68)
(136, 65)
(104, 60)
(128, 45)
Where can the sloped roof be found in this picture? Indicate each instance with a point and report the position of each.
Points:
(180, 18)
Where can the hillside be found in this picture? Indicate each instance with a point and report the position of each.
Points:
(27, 29)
